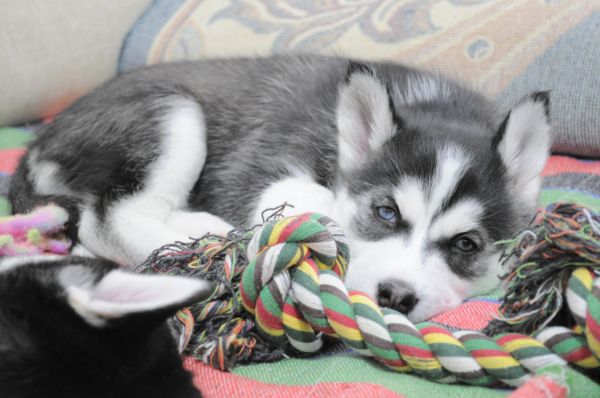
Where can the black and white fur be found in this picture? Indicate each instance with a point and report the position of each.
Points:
(422, 174)
(77, 327)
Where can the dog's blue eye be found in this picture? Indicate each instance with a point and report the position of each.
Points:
(387, 213)
(465, 244)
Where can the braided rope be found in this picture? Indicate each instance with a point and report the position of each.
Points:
(217, 330)
(539, 260)
(293, 286)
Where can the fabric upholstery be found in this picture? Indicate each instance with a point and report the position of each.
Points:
(507, 48)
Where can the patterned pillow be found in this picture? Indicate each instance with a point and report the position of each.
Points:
(506, 48)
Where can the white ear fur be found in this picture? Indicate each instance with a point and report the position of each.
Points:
(364, 118)
(524, 146)
(119, 294)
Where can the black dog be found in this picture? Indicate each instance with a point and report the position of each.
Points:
(80, 328)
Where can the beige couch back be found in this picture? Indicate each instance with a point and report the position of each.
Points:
(53, 51)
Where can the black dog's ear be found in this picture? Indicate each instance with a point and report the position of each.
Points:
(523, 143)
(365, 114)
(120, 295)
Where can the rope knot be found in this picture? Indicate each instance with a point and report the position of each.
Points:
(285, 258)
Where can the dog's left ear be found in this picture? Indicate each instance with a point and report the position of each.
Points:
(365, 115)
(523, 142)
(120, 297)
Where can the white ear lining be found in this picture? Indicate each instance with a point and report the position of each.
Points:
(524, 148)
(364, 118)
(526, 135)
(121, 293)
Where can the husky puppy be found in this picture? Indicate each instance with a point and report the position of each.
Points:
(78, 327)
(422, 174)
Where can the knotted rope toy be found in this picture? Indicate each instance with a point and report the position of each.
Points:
(556, 259)
(34, 233)
(288, 293)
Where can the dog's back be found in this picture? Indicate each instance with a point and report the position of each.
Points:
(263, 117)
(79, 328)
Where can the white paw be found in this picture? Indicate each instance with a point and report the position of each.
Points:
(196, 224)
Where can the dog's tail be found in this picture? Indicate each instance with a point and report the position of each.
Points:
(24, 199)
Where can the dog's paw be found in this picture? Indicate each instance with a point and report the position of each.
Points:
(197, 224)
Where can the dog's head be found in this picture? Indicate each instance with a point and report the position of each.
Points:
(77, 327)
(432, 179)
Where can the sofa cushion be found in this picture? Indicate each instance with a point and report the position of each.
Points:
(507, 48)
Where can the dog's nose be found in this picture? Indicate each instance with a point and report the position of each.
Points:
(397, 295)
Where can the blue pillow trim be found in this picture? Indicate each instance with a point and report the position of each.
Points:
(140, 37)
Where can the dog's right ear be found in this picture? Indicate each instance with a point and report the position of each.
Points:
(120, 296)
(523, 142)
(365, 115)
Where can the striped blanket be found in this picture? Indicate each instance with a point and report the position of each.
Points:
(341, 373)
